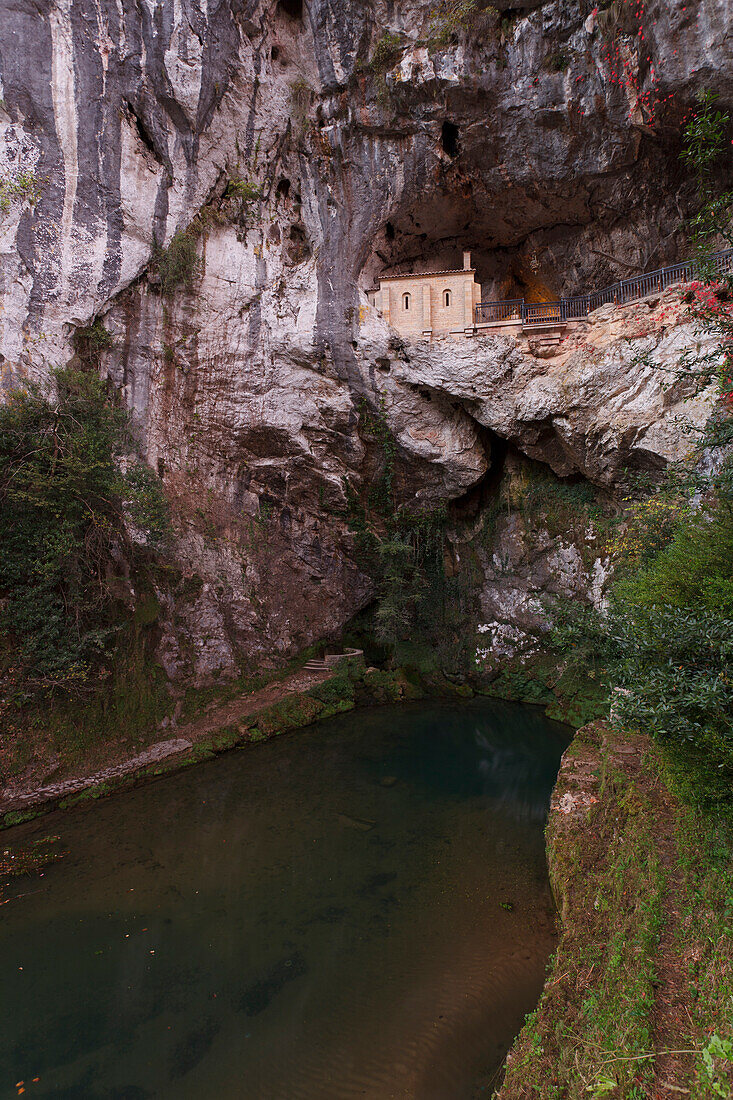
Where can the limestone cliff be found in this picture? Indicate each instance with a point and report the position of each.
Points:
(307, 145)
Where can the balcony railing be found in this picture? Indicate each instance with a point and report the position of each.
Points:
(508, 310)
(569, 309)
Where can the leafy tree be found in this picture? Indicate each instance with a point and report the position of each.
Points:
(705, 142)
(63, 531)
(665, 641)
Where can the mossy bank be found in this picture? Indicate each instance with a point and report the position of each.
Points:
(638, 997)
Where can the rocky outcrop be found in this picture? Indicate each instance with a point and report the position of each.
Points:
(608, 403)
(307, 147)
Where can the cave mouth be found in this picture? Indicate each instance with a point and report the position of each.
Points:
(537, 240)
(449, 135)
(485, 492)
(293, 9)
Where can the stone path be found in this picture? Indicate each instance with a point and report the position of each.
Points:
(19, 796)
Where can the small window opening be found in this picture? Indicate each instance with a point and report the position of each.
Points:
(275, 53)
(405, 301)
(283, 188)
(446, 298)
(449, 138)
(389, 231)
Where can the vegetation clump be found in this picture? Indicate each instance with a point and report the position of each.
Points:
(23, 187)
(245, 191)
(91, 340)
(448, 18)
(387, 52)
(63, 533)
(706, 142)
(301, 95)
(178, 265)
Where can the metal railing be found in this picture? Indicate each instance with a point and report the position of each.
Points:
(508, 310)
(568, 309)
(547, 313)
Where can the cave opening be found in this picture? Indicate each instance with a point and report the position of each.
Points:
(283, 188)
(449, 134)
(485, 491)
(532, 238)
(292, 8)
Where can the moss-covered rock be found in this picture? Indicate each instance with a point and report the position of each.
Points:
(379, 686)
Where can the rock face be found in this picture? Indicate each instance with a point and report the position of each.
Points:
(308, 146)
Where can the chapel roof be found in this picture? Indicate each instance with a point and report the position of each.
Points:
(426, 274)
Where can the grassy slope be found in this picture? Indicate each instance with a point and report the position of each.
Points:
(643, 975)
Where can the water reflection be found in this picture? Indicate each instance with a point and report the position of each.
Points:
(358, 910)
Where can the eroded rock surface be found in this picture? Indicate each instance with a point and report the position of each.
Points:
(308, 158)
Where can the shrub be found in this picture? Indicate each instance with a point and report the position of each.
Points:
(449, 17)
(665, 643)
(23, 187)
(62, 533)
(386, 52)
(649, 526)
(146, 505)
(179, 264)
(558, 62)
(91, 340)
(244, 190)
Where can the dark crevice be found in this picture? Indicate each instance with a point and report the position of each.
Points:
(486, 489)
(292, 8)
(449, 139)
(143, 133)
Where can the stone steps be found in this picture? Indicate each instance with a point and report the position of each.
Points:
(331, 660)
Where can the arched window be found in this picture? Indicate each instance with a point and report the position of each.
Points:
(446, 297)
(405, 301)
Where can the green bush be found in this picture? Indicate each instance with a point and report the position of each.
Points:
(62, 532)
(448, 18)
(23, 187)
(179, 264)
(245, 191)
(387, 52)
(664, 646)
(694, 570)
(91, 340)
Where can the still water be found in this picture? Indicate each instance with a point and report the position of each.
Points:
(357, 910)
